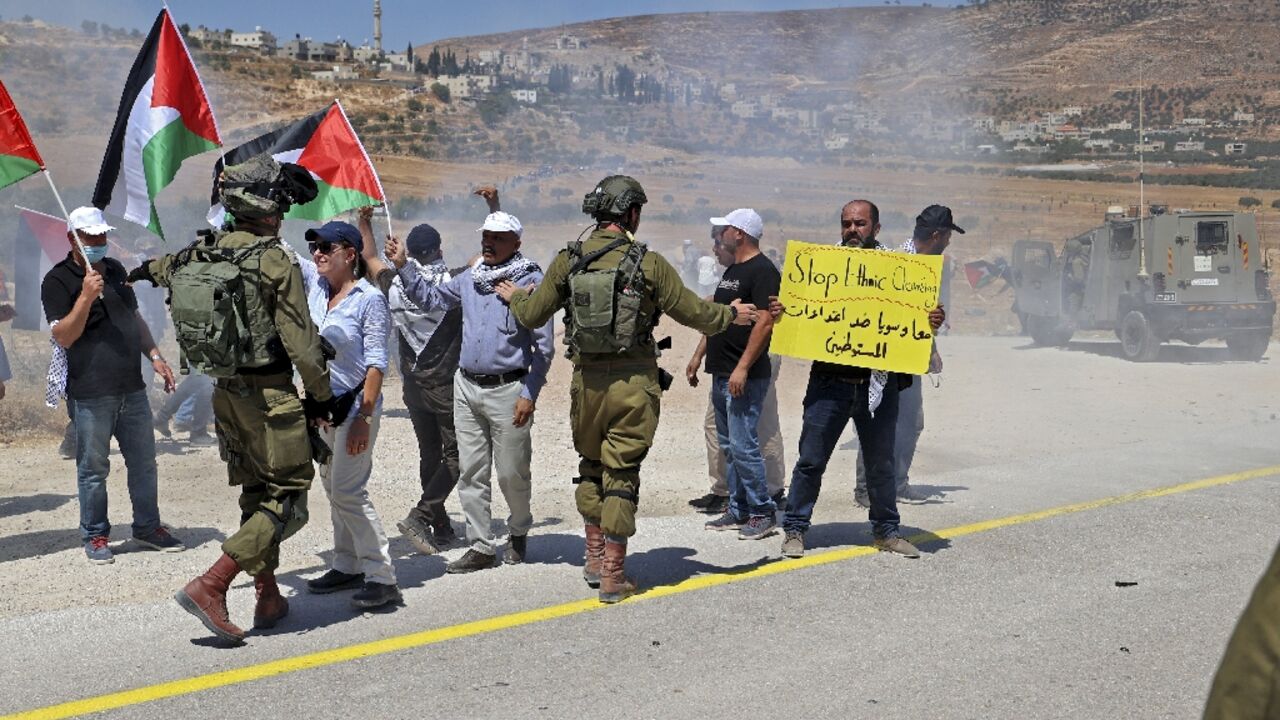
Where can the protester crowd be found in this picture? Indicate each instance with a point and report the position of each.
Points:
(472, 375)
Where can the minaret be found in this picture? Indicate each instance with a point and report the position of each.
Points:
(377, 26)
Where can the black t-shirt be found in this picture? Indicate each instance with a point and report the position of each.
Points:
(753, 282)
(107, 357)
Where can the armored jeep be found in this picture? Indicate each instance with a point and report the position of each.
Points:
(1205, 277)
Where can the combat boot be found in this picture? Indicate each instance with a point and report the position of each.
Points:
(614, 584)
(594, 557)
(272, 606)
(206, 598)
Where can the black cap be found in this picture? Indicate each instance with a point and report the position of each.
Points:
(337, 231)
(423, 241)
(935, 217)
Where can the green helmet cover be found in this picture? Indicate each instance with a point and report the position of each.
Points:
(260, 187)
(613, 197)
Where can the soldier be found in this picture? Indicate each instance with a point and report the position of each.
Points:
(1245, 687)
(261, 422)
(618, 291)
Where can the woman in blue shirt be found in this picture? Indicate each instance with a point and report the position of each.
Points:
(353, 316)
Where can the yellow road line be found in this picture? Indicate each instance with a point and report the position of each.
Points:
(199, 683)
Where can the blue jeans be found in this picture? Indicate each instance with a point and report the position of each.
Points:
(910, 425)
(737, 419)
(191, 402)
(829, 404)
(128, 419)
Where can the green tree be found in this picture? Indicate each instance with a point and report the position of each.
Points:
(1248, 201)
(1275, 204)
(441, 92)
(89, 27)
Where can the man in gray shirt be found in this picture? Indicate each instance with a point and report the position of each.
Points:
(501, 369)
(429, 342)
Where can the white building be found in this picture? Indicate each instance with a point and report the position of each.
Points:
(366, 54)
(339, 72)
(490, 57)
(1188, 146)
(1194, 121)
(529, 96)
(1072, 111)
(1240, 116)
(1099, 144)
(836, 142)
(745, 109)
(1235, 148)
(1122, 125)
(1149, 146)
(259, 40)
(465, 86)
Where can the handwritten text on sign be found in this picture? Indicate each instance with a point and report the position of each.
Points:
(868, 308)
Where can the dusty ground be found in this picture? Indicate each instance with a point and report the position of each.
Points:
(1000, 401)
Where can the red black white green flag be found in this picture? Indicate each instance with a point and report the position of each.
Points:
(164, 118)
(326, 145)
(18, 155)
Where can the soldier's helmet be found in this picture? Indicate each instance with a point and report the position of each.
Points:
(613, 197)
(260, 187)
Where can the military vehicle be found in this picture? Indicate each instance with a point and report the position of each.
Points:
(1189, 276)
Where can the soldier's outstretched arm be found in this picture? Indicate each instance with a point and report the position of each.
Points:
(683, 305)
(293, 323)
(534, 309)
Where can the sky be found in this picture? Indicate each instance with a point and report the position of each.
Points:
(403, 21)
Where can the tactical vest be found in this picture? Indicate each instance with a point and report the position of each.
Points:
(220, 317)
(602, 311)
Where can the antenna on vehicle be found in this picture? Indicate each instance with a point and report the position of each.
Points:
(1142, 196)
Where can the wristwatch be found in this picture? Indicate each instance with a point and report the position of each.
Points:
(157, 358)
(366, 418)
(733, 313)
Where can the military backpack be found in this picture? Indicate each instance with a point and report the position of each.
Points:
(219, 316)
(602, 311)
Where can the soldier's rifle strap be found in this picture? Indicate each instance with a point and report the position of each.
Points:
(593, 480)
(584, 261)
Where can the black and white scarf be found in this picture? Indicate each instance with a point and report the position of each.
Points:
(486, 276)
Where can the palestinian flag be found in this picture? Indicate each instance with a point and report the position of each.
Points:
(981, 273)
(41, 241)
(326, 145)
(164, 118)
(18, 155)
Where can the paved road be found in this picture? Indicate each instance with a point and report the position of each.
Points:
(1021, 618)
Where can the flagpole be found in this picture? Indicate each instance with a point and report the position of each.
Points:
(75, 233)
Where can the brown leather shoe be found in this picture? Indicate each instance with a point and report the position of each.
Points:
(206, 598)
(271, 607)
(595, 555)
(614, 584)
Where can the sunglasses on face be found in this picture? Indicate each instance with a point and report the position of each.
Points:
(324, 247)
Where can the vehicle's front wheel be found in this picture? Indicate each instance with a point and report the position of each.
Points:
(1138, 341)
(1048, 331)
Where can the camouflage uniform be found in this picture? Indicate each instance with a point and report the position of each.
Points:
(1247, 686)
(615, 398)
(262, 431)
(261, 423)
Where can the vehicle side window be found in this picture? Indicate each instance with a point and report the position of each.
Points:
(1211, 238)
(1122, 242)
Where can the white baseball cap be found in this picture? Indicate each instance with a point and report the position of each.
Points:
(745, 219)
(88, 220)
(502, 222)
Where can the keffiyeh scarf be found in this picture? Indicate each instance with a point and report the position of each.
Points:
(416, 325)
(55, 382)
(879, 378)
(486, 276)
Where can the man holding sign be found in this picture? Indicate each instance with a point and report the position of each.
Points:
(867, 321)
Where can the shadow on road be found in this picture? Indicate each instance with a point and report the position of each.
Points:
(43, 502)
(845, 534)
(47, 542)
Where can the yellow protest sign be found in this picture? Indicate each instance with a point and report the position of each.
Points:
(850, 306)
